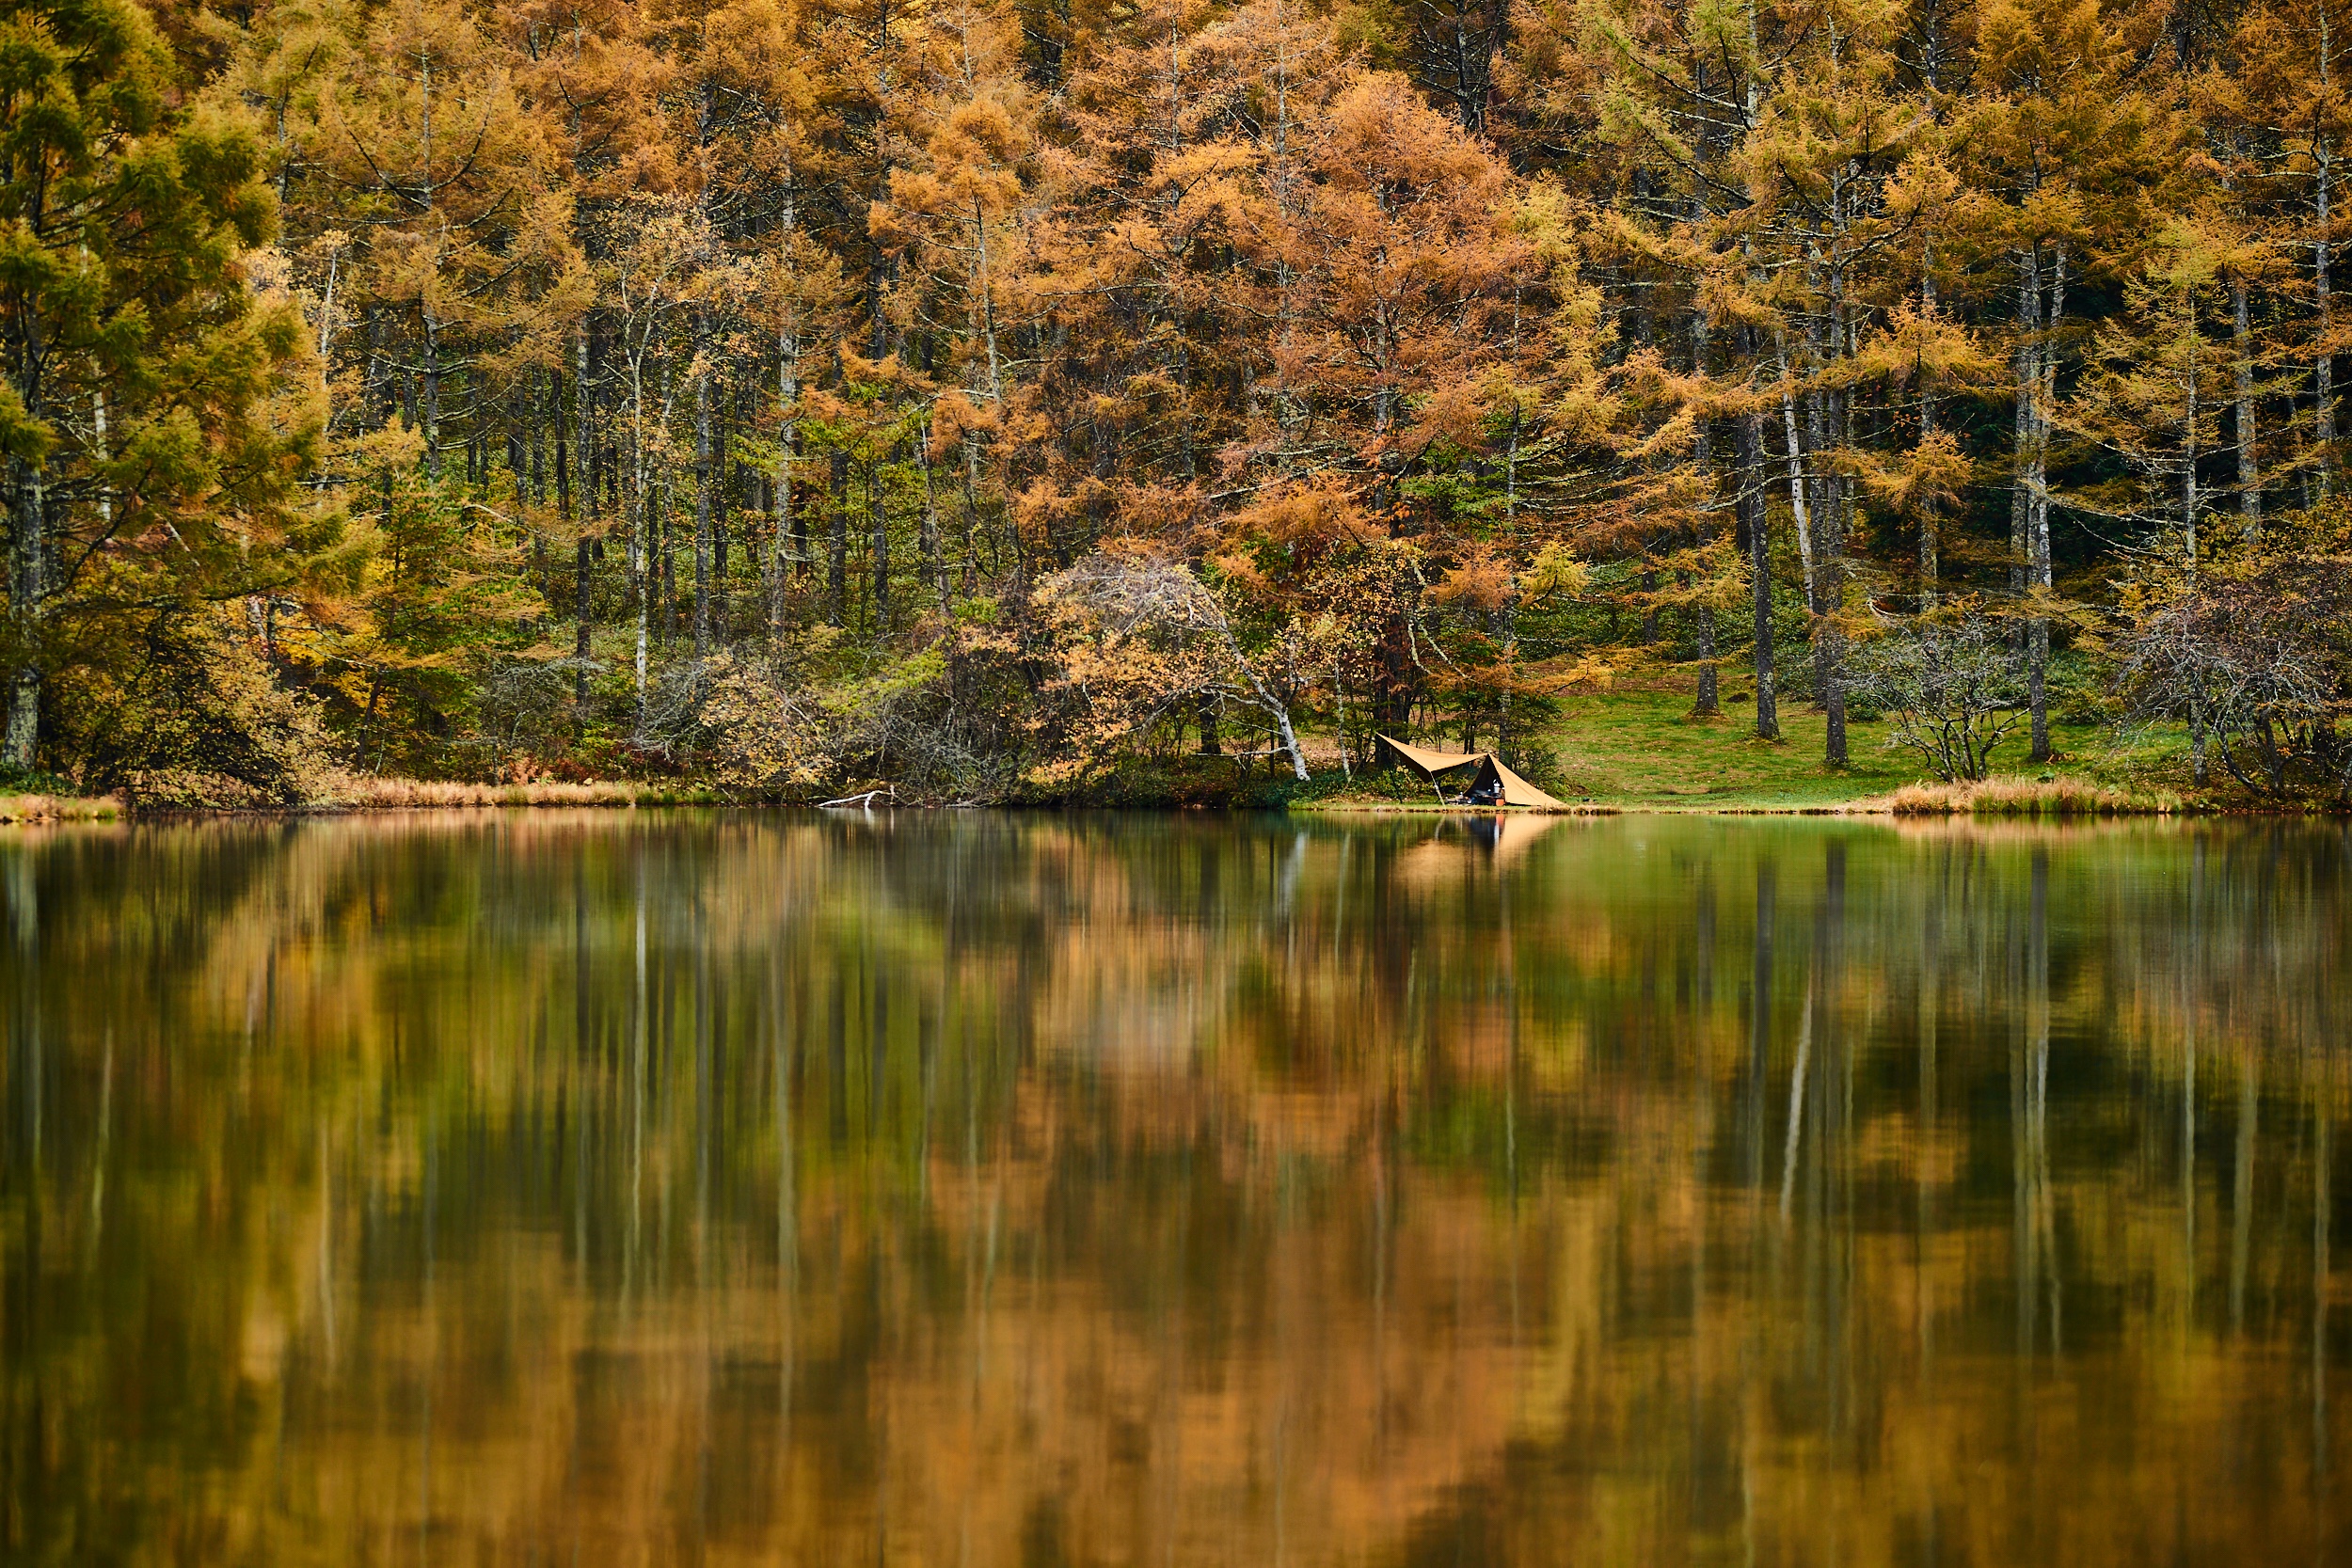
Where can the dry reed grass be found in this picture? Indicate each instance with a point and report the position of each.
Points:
(2017, 797)
(365, 792)
(58, 808)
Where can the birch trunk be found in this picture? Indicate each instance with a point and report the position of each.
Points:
(27, 591)
(2040, 581)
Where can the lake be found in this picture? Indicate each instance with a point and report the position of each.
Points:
(960, 1188)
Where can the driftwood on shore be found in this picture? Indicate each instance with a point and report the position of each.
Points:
(864, 798)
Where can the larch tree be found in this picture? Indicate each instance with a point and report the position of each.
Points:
(2068, 149)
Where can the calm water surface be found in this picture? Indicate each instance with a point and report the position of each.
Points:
(983, 1190)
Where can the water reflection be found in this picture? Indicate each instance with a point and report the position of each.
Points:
(974, 1189)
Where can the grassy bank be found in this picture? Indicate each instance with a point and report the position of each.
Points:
(1640, 750)
(1621, 750)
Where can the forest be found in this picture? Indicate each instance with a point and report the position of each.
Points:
(1012, 400)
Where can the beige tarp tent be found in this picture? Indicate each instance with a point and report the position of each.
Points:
(1511, 790)
(1429, 764)
(1490, 782)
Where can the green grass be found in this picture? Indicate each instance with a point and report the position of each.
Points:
(1639, 750)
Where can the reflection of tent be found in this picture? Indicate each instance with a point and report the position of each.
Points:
(1513, 834)
(1489, 783)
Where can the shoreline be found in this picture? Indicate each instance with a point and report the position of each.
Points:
(55, 811)
(1629, 751)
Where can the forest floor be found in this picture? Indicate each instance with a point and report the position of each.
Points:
(1640, 750)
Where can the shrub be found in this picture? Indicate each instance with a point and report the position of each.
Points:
(2253, 647)
(201, 722)
(1951, 683)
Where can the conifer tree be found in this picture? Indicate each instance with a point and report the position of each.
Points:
(2069, 152)
(147, 440)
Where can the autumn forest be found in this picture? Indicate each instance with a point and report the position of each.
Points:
(995, 398)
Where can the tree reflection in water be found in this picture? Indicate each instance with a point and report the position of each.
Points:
(972, 1188)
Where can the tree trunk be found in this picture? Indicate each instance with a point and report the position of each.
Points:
(1835, 416)
(432, 410)
(1828, 674)
(1290, 744)
(27, 589)
(878, 545)
(934, 563)
(665, 555)
(1708, 705)
(1702, 616)
(972, 517)
(2025, 367)
(733, 481)
(2040, 579)
(1759, 571)
(640, 565)
(2322, 366)
(1828, 687)
(2250, 486)
(579, 544)
(837, 572)
(522, 443)
(780, 493)
(1929, 566)
(702, 499)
